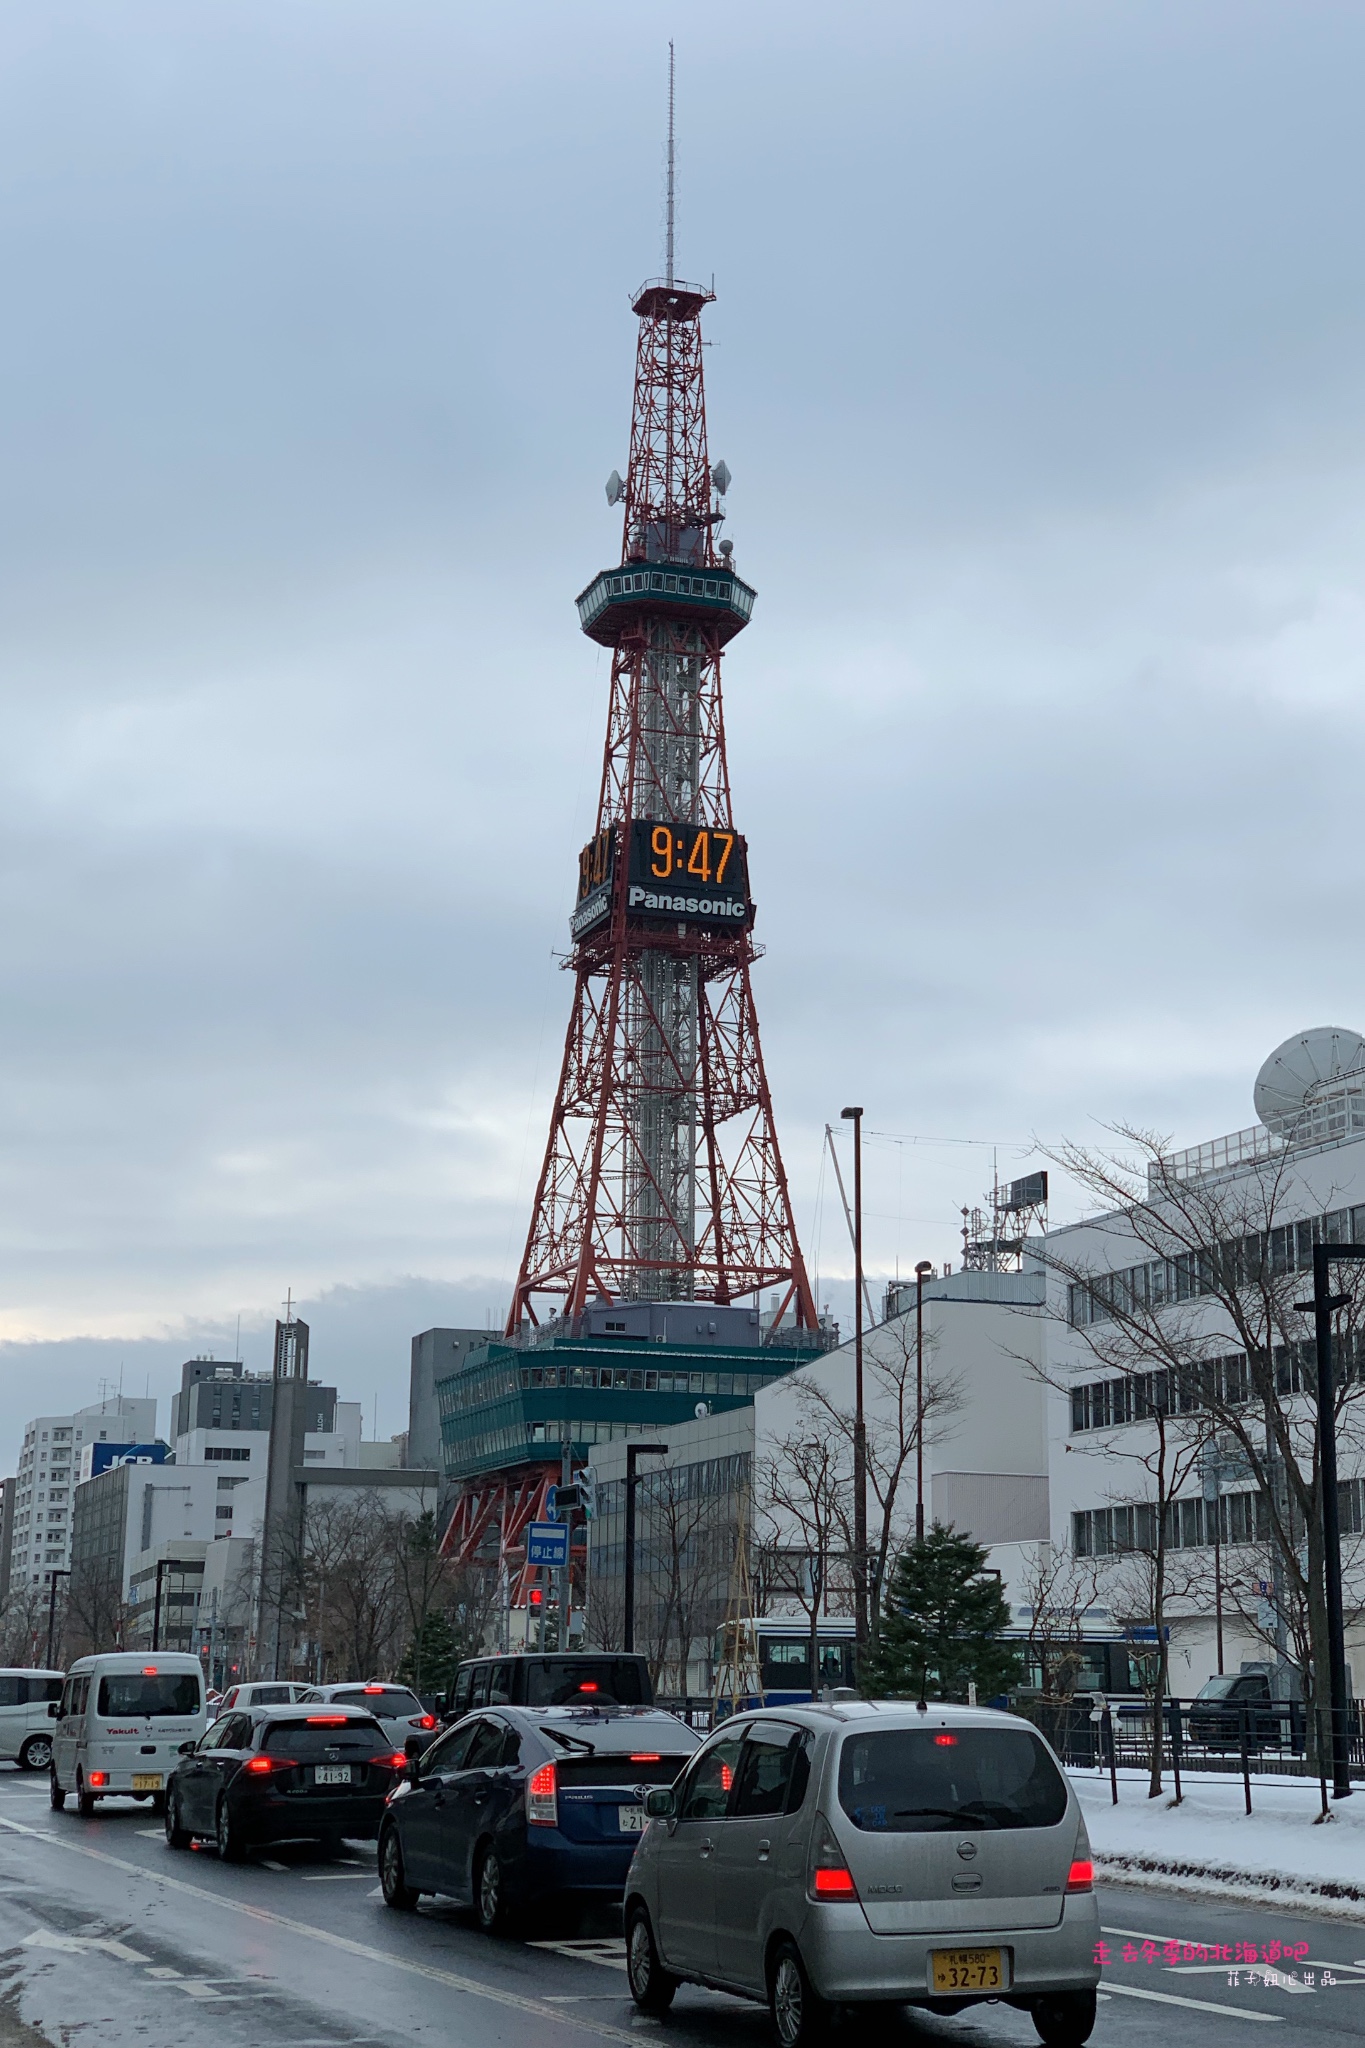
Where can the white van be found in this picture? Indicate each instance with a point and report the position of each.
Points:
(25, 1730)
(120, 1725)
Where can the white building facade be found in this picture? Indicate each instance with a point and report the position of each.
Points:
(47, 1475)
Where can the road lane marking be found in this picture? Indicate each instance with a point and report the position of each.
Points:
(265, 1863)
(82, 1944)
(454, 1979)
(609, 1951)
(1236, 2012)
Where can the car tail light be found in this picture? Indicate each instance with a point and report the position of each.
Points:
(149, 1670)
(392, 1760)
(1081, 1876)
(262, 1766)
(99, 1777)
(589, 1685)
(830, 1876)
(542, 1804)
(427, 1721)
(372, 1688)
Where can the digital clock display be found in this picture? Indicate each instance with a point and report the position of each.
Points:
(698, 873)
(688, 874)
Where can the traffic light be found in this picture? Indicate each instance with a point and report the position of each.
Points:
(536, 1596)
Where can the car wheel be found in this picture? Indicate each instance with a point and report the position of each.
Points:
(490, 1893)
(1066, 2019)
(227, 1835)
(651, 1986)
(36, 1754)
(800, 2016)
(85, 1801)
(177, 1837)
(393, 1882)
(55, 1793)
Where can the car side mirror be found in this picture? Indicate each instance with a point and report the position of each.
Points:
(413, 1773)
(52, 1707)
(187, 1748)
(661, 1803)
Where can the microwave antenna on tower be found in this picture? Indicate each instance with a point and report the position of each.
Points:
(670, 216)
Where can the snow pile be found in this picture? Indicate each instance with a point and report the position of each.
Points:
(1210, 1844)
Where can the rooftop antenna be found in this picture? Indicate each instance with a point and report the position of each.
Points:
(668, 234)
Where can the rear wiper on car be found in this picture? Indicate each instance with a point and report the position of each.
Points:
(959, 1816)
(570, 1741)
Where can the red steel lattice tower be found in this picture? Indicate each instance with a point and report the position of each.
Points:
(662, 1178)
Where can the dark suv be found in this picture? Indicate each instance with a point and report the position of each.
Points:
(568, 1678)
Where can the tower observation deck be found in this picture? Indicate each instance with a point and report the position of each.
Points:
(662, 1178)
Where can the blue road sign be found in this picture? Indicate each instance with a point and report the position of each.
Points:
(552, 1503)
(548, 1543)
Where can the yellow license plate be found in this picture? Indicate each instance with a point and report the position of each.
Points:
(967, 1969)
(146, 1781)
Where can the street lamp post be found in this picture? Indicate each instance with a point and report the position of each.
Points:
(922, 1272)
(1323, 1305)
(860, 1617)
(163, 1565)
(634, 1451)
(60, 1573)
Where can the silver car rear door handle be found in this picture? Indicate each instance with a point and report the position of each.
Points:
(706, 1848)
(763, 1849)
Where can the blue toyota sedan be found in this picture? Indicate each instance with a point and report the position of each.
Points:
(518, 1804)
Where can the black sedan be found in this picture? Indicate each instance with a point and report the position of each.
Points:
(520, 1803)
(281, 1774)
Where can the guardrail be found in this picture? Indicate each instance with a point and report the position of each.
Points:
(1250, 1738)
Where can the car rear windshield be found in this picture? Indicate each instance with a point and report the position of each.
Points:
(143, 1695)
(320, 1745)
(270, 1696)
(390, 1700)
(921, 1781)
(621, 1768)
(551, 1681)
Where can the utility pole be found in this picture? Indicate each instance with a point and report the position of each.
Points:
(1323, 1306)
(52, 1611)
(922, 1272)
(633, 1452)
(860, 1616)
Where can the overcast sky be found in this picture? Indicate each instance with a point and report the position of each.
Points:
(1039, 360)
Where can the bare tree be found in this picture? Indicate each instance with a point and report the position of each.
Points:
(684, 1564)
(1207, 1309)
(1060, 1588)
(97, 1614)
(897, 1420)
(802, 1508)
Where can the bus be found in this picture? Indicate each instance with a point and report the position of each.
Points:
(766, 1662)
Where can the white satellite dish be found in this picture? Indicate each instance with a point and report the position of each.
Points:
(721, 477)
(616, 490)
(1299, 1067)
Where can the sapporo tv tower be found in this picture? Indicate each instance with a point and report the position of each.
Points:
(662, 1178)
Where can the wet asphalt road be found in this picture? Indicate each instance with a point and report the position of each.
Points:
(108, 1937)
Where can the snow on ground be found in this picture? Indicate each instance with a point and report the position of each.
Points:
(1210, 1844)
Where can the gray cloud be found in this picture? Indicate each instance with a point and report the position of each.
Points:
(1038, 363)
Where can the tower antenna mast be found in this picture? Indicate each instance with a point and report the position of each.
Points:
(668, 232)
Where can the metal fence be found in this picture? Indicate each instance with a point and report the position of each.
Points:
(1246, 1738)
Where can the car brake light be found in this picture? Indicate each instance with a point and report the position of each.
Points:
(1081, 1877)
(392, 1759)
(646, 1756)
(945, 1742)
(426, 1721)
(830, 1876)
(328, 1720)
(149, 1671)
(542, 1804)
(589, 1685)
(99, 1777)
(373, 1688)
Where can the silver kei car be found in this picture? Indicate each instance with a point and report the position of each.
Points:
(871, 1853)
